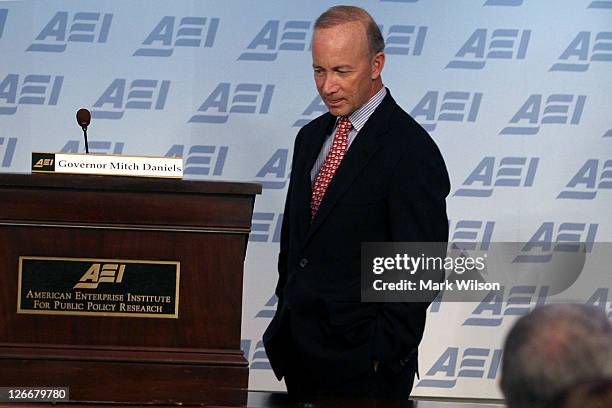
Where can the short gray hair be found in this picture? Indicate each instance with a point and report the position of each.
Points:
(552, 348)
(346, 14)
(592, 394)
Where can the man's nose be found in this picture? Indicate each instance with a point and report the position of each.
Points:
(330, 85)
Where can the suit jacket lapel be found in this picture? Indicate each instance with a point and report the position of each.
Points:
(359, 153)
(311, 147)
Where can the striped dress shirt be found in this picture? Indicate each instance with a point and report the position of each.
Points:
(358, 119)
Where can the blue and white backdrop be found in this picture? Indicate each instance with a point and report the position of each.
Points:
(515, 92)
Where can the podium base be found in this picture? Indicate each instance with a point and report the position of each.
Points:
(130, 375)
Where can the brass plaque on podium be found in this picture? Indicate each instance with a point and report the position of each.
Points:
(98, 287)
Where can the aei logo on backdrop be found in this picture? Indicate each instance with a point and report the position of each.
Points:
(475, 363)
(582, 53)
(246, 98)
(7, 150)
(269, 309)
(274, 174)
(466, 234)
(601, 4)
(471, 234)
(490, 312)
(266, 227)
(143, 94)
(453, 106)
(501, 44)
(259, 358)
(3, 15)
(190, 32)
(549, 240)
(512, 3)
(584, 184)
(558, 109)
(201, 160)
(85, 27)
(95, 146)
(600, 299)
(509, 172)
(405, 39)
(569, 237)
(314, 109)
(31, 89)
(296, 35)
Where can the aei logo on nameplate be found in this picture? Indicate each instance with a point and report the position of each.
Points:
(106, 164)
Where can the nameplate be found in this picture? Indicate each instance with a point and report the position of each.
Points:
(105, 164)
(98, 287)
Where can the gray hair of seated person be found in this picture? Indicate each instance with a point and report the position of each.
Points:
(553, 348)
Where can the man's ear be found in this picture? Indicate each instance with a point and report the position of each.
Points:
(378, 62)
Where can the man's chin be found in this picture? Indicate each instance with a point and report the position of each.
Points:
(337, 111)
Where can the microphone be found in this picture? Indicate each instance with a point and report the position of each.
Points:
(83, 117)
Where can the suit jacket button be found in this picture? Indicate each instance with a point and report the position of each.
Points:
(303, 262)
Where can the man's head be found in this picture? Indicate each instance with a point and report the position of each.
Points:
(347, 58)
(552, 348)
(592, 394)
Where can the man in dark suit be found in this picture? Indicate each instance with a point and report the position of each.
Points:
(364, 172)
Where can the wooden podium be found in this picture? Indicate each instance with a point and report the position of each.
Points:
(113, 229)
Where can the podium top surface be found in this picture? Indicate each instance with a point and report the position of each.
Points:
(127, 184)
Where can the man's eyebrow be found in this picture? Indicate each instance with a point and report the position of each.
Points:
(335, 67)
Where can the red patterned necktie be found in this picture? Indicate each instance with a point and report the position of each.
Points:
(330, 165)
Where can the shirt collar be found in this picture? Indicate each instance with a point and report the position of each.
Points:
(361, 115)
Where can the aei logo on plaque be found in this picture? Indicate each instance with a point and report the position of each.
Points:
(98, 287)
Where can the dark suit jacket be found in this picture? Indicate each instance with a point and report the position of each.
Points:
(390, 186)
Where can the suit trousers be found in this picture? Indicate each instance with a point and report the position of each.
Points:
(304, 385)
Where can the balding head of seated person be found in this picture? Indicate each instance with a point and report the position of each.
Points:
(553, 348)
(590, 394)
